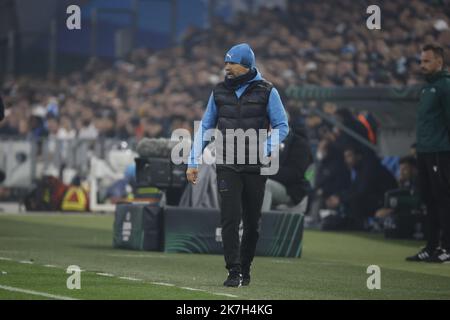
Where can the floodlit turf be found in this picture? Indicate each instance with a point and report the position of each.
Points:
(333, 266)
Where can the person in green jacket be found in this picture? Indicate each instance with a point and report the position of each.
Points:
(433, 154)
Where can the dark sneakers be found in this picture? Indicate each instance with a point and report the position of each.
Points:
(423, 255)
(245, 278)
(440, 256)
(245, 275)
(234, 279)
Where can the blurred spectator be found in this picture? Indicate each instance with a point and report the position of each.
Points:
(344, 140)
(331, 177)
(407, 181)
(289, 185)
(87, 130)
(66, 130)
(37, 128)
(52, 127)
(7, 128)
(370, 181)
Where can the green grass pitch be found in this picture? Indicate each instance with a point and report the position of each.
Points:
(35, 251)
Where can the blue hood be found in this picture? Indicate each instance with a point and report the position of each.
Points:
(242, 54)
(244, 85)
(258, 76)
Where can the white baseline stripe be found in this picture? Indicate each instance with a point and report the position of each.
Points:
(36, 293)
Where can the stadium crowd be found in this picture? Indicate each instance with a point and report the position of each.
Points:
(311, 43)
(150, 94)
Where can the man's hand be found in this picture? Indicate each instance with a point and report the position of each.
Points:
(192, 174)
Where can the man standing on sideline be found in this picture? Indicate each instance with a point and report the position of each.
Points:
(246, 101)
(433, 154)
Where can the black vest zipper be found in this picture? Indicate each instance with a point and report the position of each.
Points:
(250, 86)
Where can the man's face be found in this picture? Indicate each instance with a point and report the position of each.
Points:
(233, 70)
(351, 159)
(52, 126)
(430, 63)
(407, 172)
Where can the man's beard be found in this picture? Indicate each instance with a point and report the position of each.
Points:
(235, 82)
(230, 76)
(424, 74)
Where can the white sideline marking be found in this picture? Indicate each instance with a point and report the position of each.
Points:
(214, 293)
(163, 284)
(193, 289)
(36, 293)
(5, 259)
(99, 274)
(130, 278)
(104, 274)
(282, 261)
(136, 255)
(225, 294)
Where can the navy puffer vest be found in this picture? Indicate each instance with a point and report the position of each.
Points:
(247, 112)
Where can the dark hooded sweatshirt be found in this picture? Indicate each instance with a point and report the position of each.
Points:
(294, 161)
(433, 114)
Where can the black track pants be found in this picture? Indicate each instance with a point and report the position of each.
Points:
(434, 186)
(241, 196)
